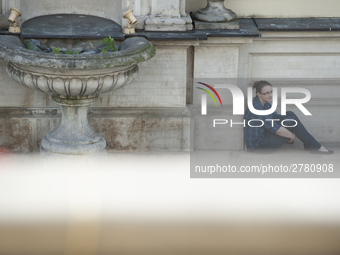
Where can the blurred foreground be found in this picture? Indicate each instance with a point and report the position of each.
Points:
(119, 203)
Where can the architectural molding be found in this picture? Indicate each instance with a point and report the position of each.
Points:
(168, 16)
(72, 85)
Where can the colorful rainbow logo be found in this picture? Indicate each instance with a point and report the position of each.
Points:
(213, 90)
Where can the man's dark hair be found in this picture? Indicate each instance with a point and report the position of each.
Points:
(258, 85)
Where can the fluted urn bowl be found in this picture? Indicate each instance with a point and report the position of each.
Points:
(74, 82)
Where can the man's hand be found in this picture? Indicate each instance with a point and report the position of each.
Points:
(291, 139)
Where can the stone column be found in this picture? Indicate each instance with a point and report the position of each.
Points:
(168, 16)
(217, 61)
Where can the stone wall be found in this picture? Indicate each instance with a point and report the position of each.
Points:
(124, 129)
(160, 82)
(152, 113)
(110, 9)
(308, 60)
(275, 9)
(114, 9)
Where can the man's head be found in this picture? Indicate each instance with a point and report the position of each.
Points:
(264, 91)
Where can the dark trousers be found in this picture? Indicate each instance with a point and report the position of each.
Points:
(272, 142)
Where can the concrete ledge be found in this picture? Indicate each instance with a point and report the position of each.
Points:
(299, 24)
(222, 26)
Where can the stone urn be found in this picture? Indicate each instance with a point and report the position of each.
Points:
(213, 13)
(74, 82)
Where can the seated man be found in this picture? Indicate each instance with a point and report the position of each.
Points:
(271, 136)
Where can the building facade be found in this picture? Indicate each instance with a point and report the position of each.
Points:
(153, 113)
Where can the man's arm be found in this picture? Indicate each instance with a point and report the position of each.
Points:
(284, 132)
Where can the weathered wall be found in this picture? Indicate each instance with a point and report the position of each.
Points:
(275, 8)
(151, 114)
(307, 60)
(110, 9)
(161, 82)
(113, 9)
(159, 129)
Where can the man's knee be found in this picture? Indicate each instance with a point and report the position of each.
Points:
(290, 113)
(290, 120)
(289, 123)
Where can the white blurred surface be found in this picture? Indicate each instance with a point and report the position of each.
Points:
(152, 187)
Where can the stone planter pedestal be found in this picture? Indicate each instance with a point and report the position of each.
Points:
(74, 82)
(74, 135)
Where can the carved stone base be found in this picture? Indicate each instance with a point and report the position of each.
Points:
(74, 135)
(215, 12)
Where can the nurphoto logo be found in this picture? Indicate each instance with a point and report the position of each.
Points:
(238, 103)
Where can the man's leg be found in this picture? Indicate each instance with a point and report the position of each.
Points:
(270, 143)
(300, 131)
